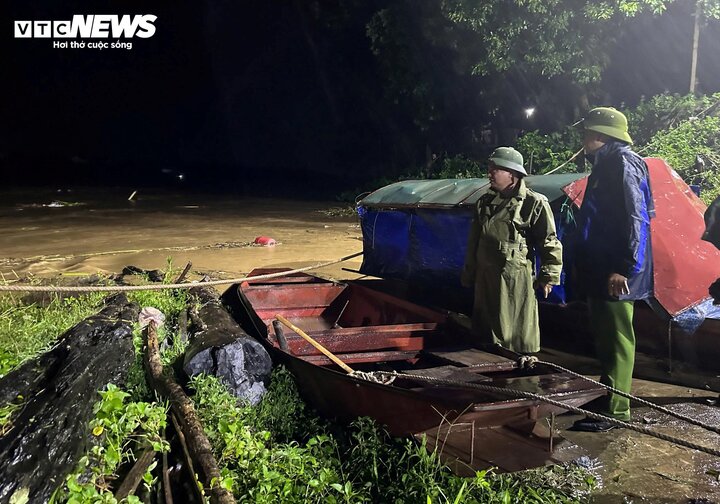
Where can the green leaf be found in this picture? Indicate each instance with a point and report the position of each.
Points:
(20, 496)
(112, 456)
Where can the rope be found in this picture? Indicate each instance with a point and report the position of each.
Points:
(369, 376)
(125, 288)
(565, 163)
(654, 406)
(537, 397)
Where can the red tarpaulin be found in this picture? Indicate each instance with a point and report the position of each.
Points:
(685, 266)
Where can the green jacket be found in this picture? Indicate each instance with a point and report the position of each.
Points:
(505, 236)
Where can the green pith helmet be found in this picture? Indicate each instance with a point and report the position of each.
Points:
(608, 121)
(507, 157)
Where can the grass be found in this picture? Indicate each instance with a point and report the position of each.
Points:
(28, 330)
(120, 426)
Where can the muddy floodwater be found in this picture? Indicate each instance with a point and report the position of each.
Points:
(82, 232)
(86, 231)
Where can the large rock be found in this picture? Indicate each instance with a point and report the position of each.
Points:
(220, 347)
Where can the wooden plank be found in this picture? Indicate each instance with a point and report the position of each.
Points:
(403, 337)
(547, 384)
(454, 373)
(473, 358)
(361, 357)
(293, 296)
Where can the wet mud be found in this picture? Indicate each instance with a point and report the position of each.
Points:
(641, 469)
(105, 232)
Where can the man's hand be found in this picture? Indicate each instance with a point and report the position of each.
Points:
(546, 288)
(617, 285)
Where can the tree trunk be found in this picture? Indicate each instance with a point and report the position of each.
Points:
(58, 390)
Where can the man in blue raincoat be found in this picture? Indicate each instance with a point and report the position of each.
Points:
(614, 254)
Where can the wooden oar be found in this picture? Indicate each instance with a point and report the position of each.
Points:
(314, 343)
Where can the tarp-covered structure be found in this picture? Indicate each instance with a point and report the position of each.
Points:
(417, 231)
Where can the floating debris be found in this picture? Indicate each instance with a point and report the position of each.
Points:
(52, 204)
(265, 241)
(346, 211)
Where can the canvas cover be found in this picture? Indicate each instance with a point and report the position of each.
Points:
(456, 192)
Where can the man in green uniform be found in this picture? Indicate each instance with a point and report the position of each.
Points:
(511, 226)
(613, 252)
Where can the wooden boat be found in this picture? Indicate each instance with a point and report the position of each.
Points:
(373, 331)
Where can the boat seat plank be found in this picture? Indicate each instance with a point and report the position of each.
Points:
(548, 384)
(401, 337)
(450, 372)
(473, 358)
(361, 357)
(472, 448)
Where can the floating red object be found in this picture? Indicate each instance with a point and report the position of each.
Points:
(265, 241)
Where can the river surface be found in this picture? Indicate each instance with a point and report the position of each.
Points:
(89, 231)
(75, 233)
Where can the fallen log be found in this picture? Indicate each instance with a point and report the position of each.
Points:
(197, 442)
(57, 390)
(220, 347)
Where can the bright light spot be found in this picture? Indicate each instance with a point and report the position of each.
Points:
(529, 112)
(181, 177)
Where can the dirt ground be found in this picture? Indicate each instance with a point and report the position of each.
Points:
(93, 231)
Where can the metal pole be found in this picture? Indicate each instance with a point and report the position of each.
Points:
(696, 40)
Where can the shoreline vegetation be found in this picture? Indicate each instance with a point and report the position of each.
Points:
(276, 451)
(682, 129)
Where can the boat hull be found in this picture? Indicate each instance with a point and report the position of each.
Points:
(373, 331)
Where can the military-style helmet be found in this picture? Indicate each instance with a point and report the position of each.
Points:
(608, 121)
(507, 157)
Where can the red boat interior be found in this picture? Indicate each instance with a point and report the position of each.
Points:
(361, 324)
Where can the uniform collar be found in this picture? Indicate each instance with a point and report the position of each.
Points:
(610, 146)
(520, 191)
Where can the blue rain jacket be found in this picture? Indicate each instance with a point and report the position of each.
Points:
(614, 224)
(712, 223)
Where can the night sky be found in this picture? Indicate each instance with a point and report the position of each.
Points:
(233, 94)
